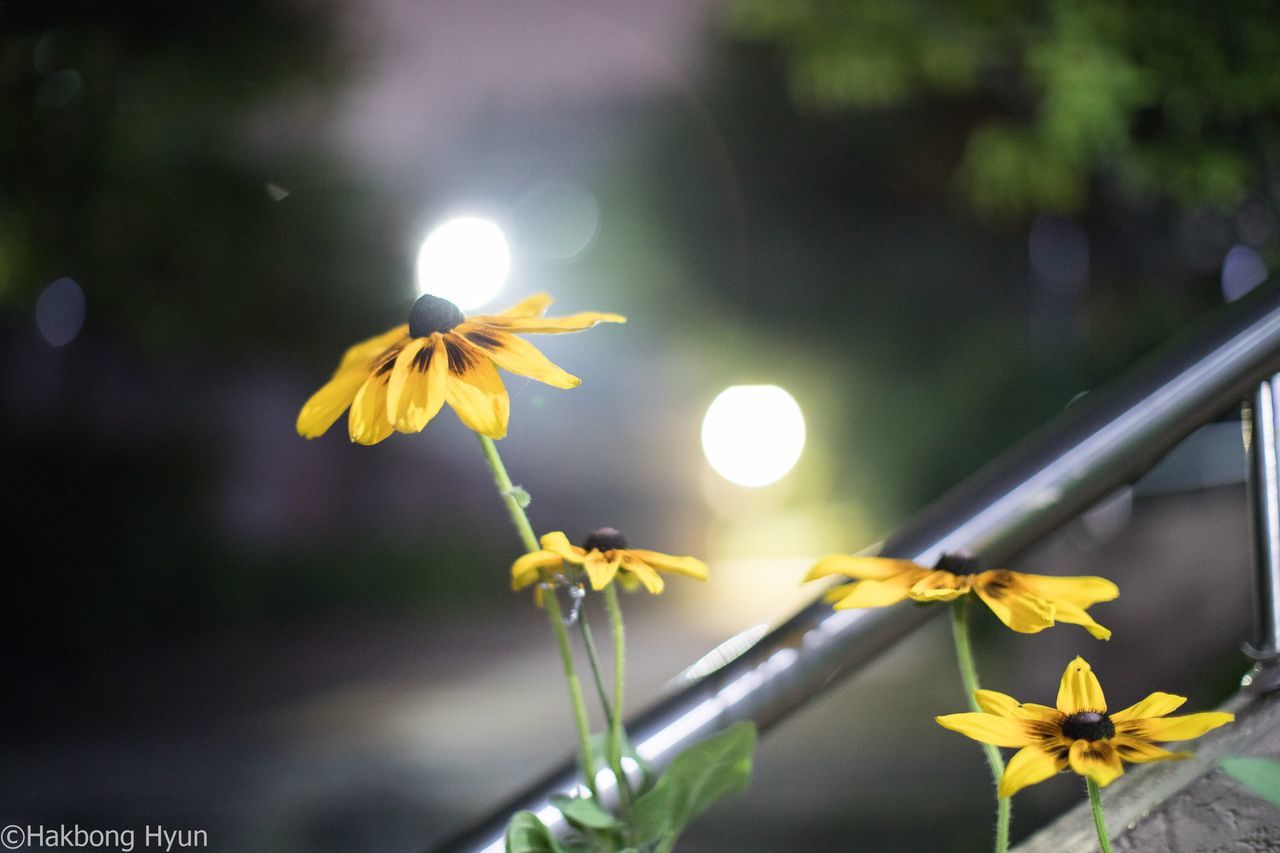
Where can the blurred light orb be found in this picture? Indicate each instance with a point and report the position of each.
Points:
(60, 312)
(753, 435)
(1243, 269)
(465, 260)
(556, 220)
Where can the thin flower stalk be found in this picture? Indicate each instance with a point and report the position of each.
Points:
(506, 489)
(969, 678)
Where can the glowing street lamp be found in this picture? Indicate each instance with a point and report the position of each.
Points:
(753, 435)
(465, 260)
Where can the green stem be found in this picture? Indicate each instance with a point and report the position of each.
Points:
(969, 677)
(613, 751)
(616, 734)
(1099, 823)
(521, 521)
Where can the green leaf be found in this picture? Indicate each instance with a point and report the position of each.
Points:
(697, 777)
(599, 745)
(522, 497)
(584, 812)
(1260, 775)
(526, 834)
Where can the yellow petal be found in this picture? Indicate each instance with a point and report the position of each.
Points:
(326, 405)
(1000, 704)
(1137, 751)
(1096, 759)
(417, 388)
(368, 423)
(1073, 614)
(1028, 766)
(861, 568)
(600, 569)
(939, 586)
(1080, 591)
(1032, 711)
(474, 389)
(1080, 690)
(875, 593)
(528, 567)
(366, 352)
(519, 356)
(689, 566)
(533, 306)
(550, 325)
(1174, 728)
(1023, 613)
(558, 542)
(988, 728)
(635, 567)
(1155, 705)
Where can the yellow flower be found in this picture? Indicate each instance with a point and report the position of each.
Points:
(398, 381)
(1026, 603)
(604, 555)
(1079, 733)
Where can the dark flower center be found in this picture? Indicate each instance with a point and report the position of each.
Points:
(1088, 725)
(959, 563)
(605, 539)
(431, 314)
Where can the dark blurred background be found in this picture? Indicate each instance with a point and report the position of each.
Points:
(934, 224)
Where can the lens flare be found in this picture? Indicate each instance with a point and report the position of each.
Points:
(753, 435)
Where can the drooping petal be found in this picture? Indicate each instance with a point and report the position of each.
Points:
(518, 356)
(988, 728)
(327, 405)
(939, 586)
(1137, 751)
(860, 568)
(601, 568)
(1073, 614)
(1028, 766)
(366, 352)
(1174, 728)
(417, 388)
(556, 541)
(549, 325)
(688, 566)
(876, 593)
(1080, 690)
(528, 567)
(368, 422)
(1023, 613)
(1097, 759)
(1080, 591)
(533, 306)
(1155, 705)
(474, 389)
(635, 567)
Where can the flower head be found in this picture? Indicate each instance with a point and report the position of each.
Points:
(399, 380)
(1026, 603)
(604, 555)
(1079, 733)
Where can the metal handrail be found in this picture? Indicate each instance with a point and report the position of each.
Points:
(1099, 444)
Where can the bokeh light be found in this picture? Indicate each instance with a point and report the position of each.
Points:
(60, 312)
(465, 260)
(753, 435)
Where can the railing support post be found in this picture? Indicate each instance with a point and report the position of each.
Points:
(1261, 420)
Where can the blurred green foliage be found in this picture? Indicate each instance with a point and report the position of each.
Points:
(1167, 99)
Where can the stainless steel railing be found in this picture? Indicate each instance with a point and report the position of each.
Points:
(1099, 444)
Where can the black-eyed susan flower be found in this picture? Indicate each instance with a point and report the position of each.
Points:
(1026, 603)
(604, 555)
(1079, 734)
(399, 380)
